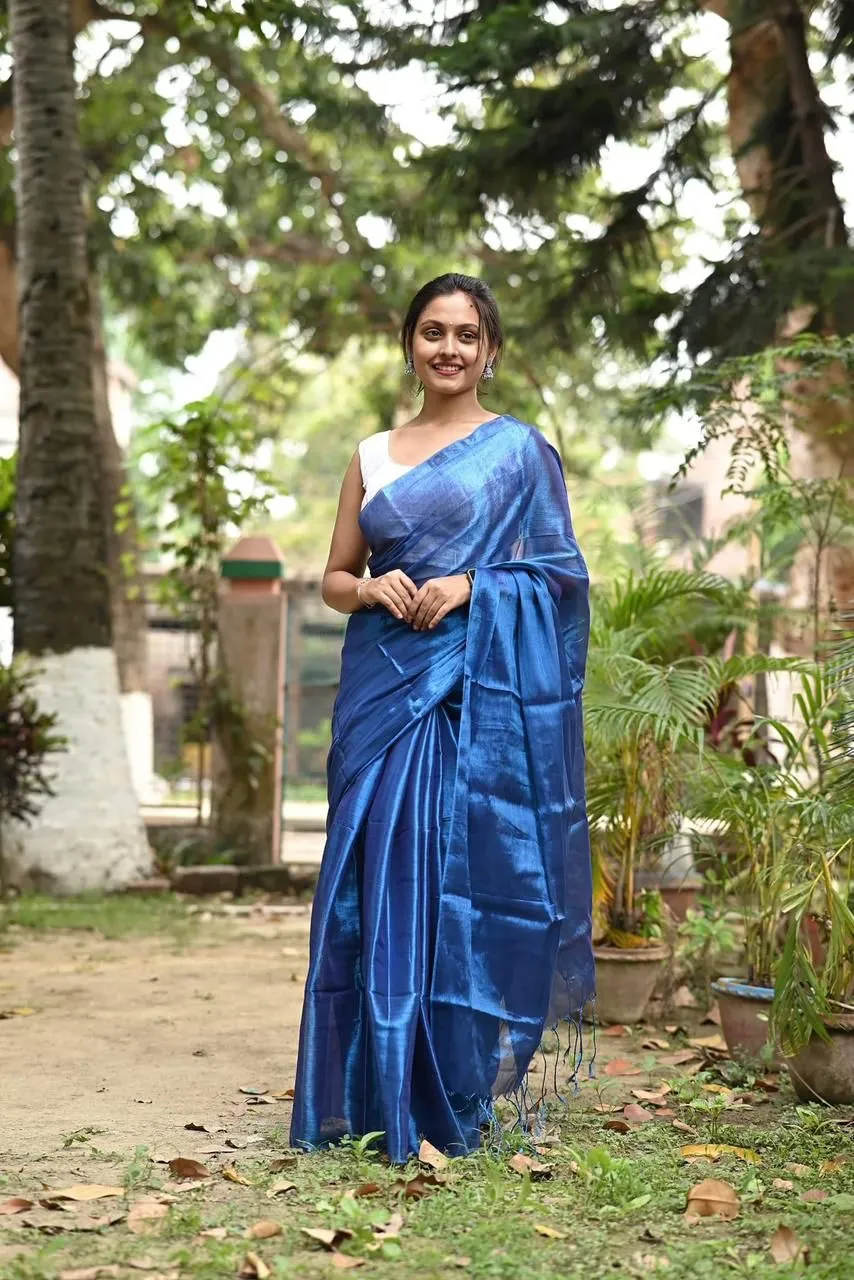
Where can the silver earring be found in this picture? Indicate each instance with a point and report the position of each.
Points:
(488, 372)
(409, 367)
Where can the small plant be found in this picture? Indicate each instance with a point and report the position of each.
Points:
(27, 741)
(703, 936)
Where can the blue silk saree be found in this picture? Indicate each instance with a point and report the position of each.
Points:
(451, 924)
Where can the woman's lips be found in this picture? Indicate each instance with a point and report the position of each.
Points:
(447, 370)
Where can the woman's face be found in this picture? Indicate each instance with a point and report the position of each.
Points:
(447, 347)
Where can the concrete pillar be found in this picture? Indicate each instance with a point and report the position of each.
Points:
(247, 766)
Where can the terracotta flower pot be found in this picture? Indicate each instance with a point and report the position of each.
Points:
(744, 1016)
(625, 980)
(823, 1071)
(680, 898)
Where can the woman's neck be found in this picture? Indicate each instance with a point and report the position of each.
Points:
(447, 410)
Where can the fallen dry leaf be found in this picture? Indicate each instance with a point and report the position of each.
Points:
(524, 1164)
(767, 1084)
(16, 1013)
(418, 1187)
(551, 1233)
(183, 1167)
(708, 1042)
(655, 1044)
(679, 1058)
(283, 1162)
(429, 1155)
(814, 1196)
(147, 1217)
(617, 1125)
(666, 1112)
(782, 1184)
(254, 1268)
(329, 1239)
(90, 1273)
(652, 1095)
(712, 1199)
(714, 1151)
(214, 1233)
(281, 1188)
(713, 1016)
(621, 1067)
(637, 1114)
(252, 1090)
(799, 1170)
(345, 1263)
(240, 1144)
(200, 1126)
(717, 1088)
(85, 1191)
(683, 998)
(391, 1229)
(786, 1247)
(682, 1126)
(232, 1174)
(16, 1205)
(616, 1030)
(263, 1230)
(832, 1166)
(363, 1189)
(286, 1093)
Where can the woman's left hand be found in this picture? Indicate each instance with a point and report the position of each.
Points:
(435, 599)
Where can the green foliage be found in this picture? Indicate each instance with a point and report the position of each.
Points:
(649, 699)
(28, 739)
(7, 529)
(206, 478)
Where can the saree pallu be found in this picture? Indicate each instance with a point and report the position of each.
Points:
(452, 919)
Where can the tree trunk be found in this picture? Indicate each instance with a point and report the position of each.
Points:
(777, 125)
(90, 835)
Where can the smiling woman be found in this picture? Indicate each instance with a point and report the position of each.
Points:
(451, 924)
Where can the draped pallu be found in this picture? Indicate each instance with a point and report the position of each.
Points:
(451, 924)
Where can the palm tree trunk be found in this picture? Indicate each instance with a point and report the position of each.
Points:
(90, 836)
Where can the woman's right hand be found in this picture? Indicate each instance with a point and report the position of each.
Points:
(393, 590)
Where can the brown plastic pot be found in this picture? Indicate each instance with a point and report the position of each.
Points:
(744, 1012)
(625, 980)
(823, 1071)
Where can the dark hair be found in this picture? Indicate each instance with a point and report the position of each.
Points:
(492, 333)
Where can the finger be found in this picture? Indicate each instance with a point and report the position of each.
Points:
(423, 610)
(406, 583)
(401, 599)
(416, 602)
(437, 617)
(388, 600)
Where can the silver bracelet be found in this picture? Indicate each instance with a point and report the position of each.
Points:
(359, 595)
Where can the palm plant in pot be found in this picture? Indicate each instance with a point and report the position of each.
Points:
(647, 705)
(813, 1010)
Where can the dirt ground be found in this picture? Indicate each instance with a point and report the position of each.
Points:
(136, 1037)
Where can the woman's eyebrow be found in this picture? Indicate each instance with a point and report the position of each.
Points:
(441, 324)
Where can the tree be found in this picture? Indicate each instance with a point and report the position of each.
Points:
(90, 835)
(558, 87)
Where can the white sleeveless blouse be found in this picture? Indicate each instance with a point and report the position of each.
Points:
(378, 469)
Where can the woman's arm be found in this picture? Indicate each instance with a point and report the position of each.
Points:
(345, 587)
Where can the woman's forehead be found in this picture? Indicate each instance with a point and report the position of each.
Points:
(456, 308)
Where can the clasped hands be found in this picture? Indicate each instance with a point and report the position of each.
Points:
(422, 607)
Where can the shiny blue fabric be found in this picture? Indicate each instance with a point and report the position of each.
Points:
(451, 923)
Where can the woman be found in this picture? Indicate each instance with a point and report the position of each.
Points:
(451, 923)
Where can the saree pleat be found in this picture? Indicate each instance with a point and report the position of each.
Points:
(451, 922)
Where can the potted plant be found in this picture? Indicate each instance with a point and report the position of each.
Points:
(647, 705)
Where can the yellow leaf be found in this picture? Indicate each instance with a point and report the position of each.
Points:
(231, 1174)
(714, 1151)
(263, 1230)
(84, 1191)
(254, 1267)
(551, 1233)
(146, 1218)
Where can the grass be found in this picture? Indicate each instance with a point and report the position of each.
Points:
(112, 916)
(614, 1203)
